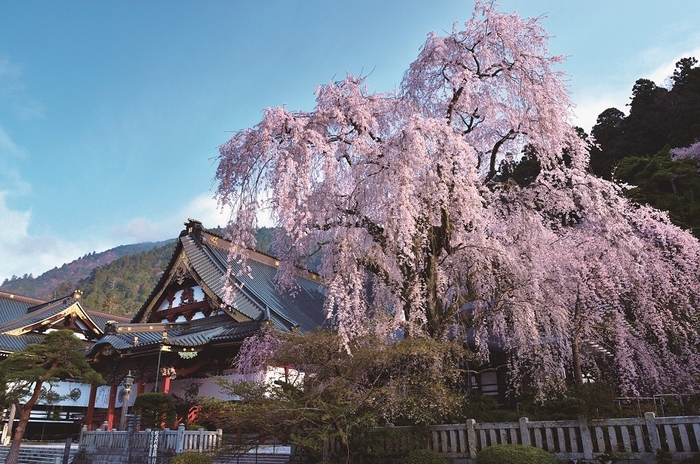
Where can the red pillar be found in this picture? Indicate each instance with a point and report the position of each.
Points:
(166, 384)
(91, 407)
(112, 403)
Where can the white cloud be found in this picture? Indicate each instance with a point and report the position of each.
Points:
(15, 223)
(202, 208)
(10, 179)
(13, 89)
(661, 73)
(24, 253)
(30, 109)
(21, 253)
(10, 75)
(593, 100)
(589, 106)
(7, 145)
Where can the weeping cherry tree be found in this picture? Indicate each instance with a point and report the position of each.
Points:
(402, 196)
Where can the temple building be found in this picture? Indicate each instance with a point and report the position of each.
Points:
(25, 320)
(186, 335)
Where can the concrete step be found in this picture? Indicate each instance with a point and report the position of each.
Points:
(29, 454)
(250, 458)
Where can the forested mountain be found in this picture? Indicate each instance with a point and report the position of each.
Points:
(637, 148)
(117, 281)
(122, 286)
(60, 281)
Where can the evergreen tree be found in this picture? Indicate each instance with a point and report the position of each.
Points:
(59, 356)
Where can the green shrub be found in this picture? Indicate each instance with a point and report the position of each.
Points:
(514, 454)
(424, 456)
(155, 409)
(485, 408)
(693, 460)
(384, 442)
(663, 457)
(593, 400)
(191, 458)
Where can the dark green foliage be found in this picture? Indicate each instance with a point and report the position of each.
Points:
(26, 375)
(485, 408)
(424, 456)
(605, 157)
(191, 458)
(597, 400)
(345, 396)
(60, 355)
(62, 281)
(264, 240)
(523, 171)
(123, 285)
(635, 147)
(666, 184)
(663, 457)
(647, 128)
(685, 125)
(157, 410)
(645, 131)
(514, 454)
(693, 460)
(592, 400)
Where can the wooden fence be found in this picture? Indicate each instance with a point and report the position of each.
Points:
(635, 439)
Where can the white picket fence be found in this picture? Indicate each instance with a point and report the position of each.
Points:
(635, 438)
(177, 441)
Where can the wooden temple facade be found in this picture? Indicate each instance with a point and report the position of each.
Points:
(186, 334)
(24, 321)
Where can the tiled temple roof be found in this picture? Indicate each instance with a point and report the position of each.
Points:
(257, 300)
(256, 294)
(21, 315)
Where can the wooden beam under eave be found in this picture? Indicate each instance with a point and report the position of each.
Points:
(71, 312)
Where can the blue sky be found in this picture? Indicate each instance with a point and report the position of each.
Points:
(111, 112)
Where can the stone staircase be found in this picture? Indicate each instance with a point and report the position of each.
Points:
(250, 458)
(31, 454)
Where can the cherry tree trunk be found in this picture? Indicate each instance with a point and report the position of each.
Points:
(576, 360)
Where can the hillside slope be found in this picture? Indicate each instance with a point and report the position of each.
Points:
(117, 281)
(62, 280)
(122, 286)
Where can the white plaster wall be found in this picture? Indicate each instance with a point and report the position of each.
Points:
(101, 399)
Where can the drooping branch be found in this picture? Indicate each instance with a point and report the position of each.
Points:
(494, 153)
(401, 190)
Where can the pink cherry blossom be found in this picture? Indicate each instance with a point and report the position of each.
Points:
(400, 194)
